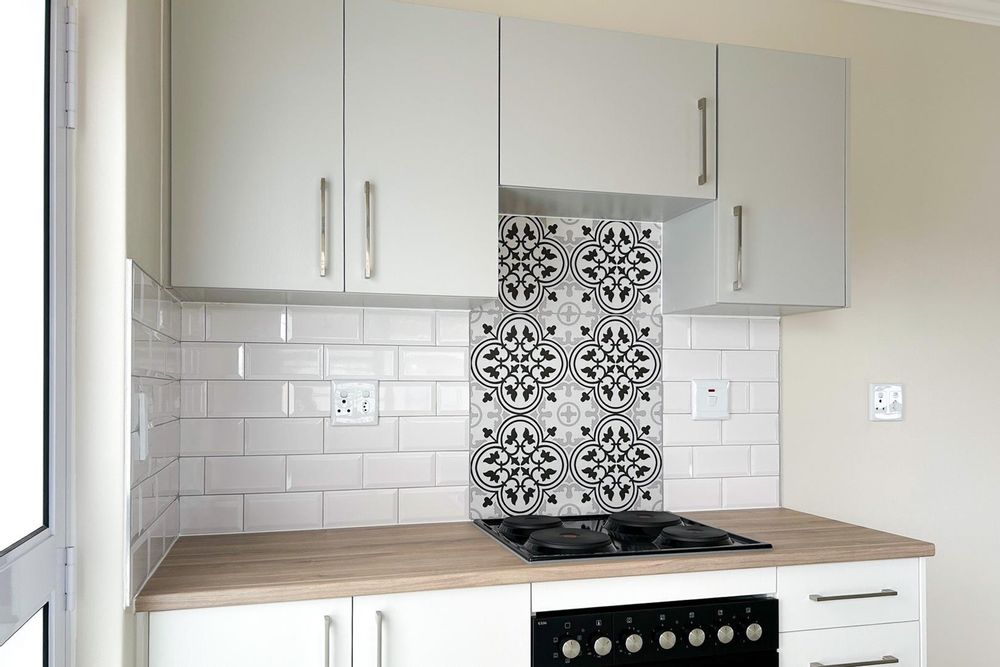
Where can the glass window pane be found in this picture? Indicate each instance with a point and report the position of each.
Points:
(22, 264)
(26, 648)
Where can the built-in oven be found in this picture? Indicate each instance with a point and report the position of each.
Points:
(720, 632)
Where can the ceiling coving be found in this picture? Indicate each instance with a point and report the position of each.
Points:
(975, 11)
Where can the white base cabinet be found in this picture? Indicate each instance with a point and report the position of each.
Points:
(864, 645)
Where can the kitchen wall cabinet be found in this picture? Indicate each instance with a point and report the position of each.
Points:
(421, 129)
(774, 242)
(488, 627)
(256, 123)
(607, 112)
(305, 634)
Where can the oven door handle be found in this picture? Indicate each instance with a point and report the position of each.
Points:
(886, 660)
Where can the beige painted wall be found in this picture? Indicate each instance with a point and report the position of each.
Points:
(925, 271)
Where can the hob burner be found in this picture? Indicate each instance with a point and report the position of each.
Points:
(639, 525)
(567, 541)
(519, 528)
(694, 535)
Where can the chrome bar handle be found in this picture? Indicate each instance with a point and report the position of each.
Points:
(322, 228)
(738, 283)
(368, 230)
(703, 108)
(884, 593)
(886, 660)
(378, 638)
(327, 643)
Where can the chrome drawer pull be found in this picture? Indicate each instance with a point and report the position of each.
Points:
(378, 638)
(884, 593)
(327, 645)
(369, 252)
(703, 108)
(886, 660)
(322, 228)
(738, 214)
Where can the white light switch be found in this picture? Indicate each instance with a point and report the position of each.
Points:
(355, 403)
(709, 400)
(885, 402)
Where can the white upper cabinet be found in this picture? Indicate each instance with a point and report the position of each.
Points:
(421, 129)
(257, 123)
(593, 110)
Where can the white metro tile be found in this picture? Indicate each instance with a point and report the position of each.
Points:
(764, 396)
(765, 334)
(145, 297)
(691, 364)
(381, 437)
(360, 362)
(692, 494)
(282, 511)
(453, 398)
(751, 365)
(406, 398)
(252, 398)
(719, 333)
(284, 436)
(677, 397)
(284, 362)
(192, 476)
(142, 350)
(321, 324)
(211, 437)
(445, 503)
(164, 440)
(395, 470)
(244, 474)
(765, 460)
(211, 514)
(682, 430)
(140, 564)
(431, 434)
(721, 461)
(676, 332)
(452, 469)
(359, 508)
(244, 323)
(192, 321)
(676, 462)
(212, 361)
(746, 492)
(452, 327)
(194, 400)
(739, 397)
(751, 430)
(392, 326)
(433, 363)
(169, 314)
(323, 472)
(309, 399)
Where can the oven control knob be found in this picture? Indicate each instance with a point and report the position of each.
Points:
(570, 649)
(754, 632)
(696, 637)
(602, 646)
(667, 640)
(725, 634)
(633, 643)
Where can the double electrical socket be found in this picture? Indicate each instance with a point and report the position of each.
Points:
(354, 403)
(885, 402)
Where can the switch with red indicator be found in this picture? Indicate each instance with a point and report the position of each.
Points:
(709, 400)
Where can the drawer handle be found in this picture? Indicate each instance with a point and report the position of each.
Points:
(738, 214)
(703, 108)
(378, 638)
(884, 593)
(327, 641)
(322, 228)
(369, 252)
(886, 660)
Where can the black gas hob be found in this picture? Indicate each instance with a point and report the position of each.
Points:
(537, 537)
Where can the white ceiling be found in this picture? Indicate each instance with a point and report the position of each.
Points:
(975, 11)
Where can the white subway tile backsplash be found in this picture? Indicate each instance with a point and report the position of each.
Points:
(445, 503)
(682, 430)
(752, 429)
(321, 324)
(751, 365)
(382, 437)
(284, 436)
(323, 472)
(748, 492)
(244, 323)
(739, 397)
(433, 434)
(677, 462)
(244, 474)
(385, 326)
(192, 476)
(211, 437)
(453, 398)
(677, 397)
(676, 332)
(360, 362)
(374, 507)
(252, 398)
(692, 494)
(452, 328)
(691, 365)
(764, 397)
(723, 461)
(309, 399)
(282, 511)
(399, 470)
(164, 440)
(406, 398)
(765, 334)
(719, 333)
(433, 363)
(212, 361)
(452, 468)
(140, 564)
(267, 361)
(211, 514)
(765, 460)
(192, 321)
(194, 398)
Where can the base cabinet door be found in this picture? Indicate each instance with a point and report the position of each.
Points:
(484, 627)
(895, 644)
(303, 634)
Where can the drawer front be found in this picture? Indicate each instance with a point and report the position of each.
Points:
(846, 594)
(869, 645)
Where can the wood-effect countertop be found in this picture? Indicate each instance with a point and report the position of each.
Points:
(219, 570)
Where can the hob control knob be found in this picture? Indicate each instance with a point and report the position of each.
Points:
(667, 640)
(570, 649)
(725, 634)
(602, 646)
(754, 632)
(633, 643)
(696, 637)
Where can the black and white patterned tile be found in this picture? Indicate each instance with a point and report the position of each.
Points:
(566, 397)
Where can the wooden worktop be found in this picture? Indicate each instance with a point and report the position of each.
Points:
(218, 570)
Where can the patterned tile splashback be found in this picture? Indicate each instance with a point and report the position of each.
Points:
(566, 388)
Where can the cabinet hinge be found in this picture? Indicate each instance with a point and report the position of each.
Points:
(70, 571)
(71, 65)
